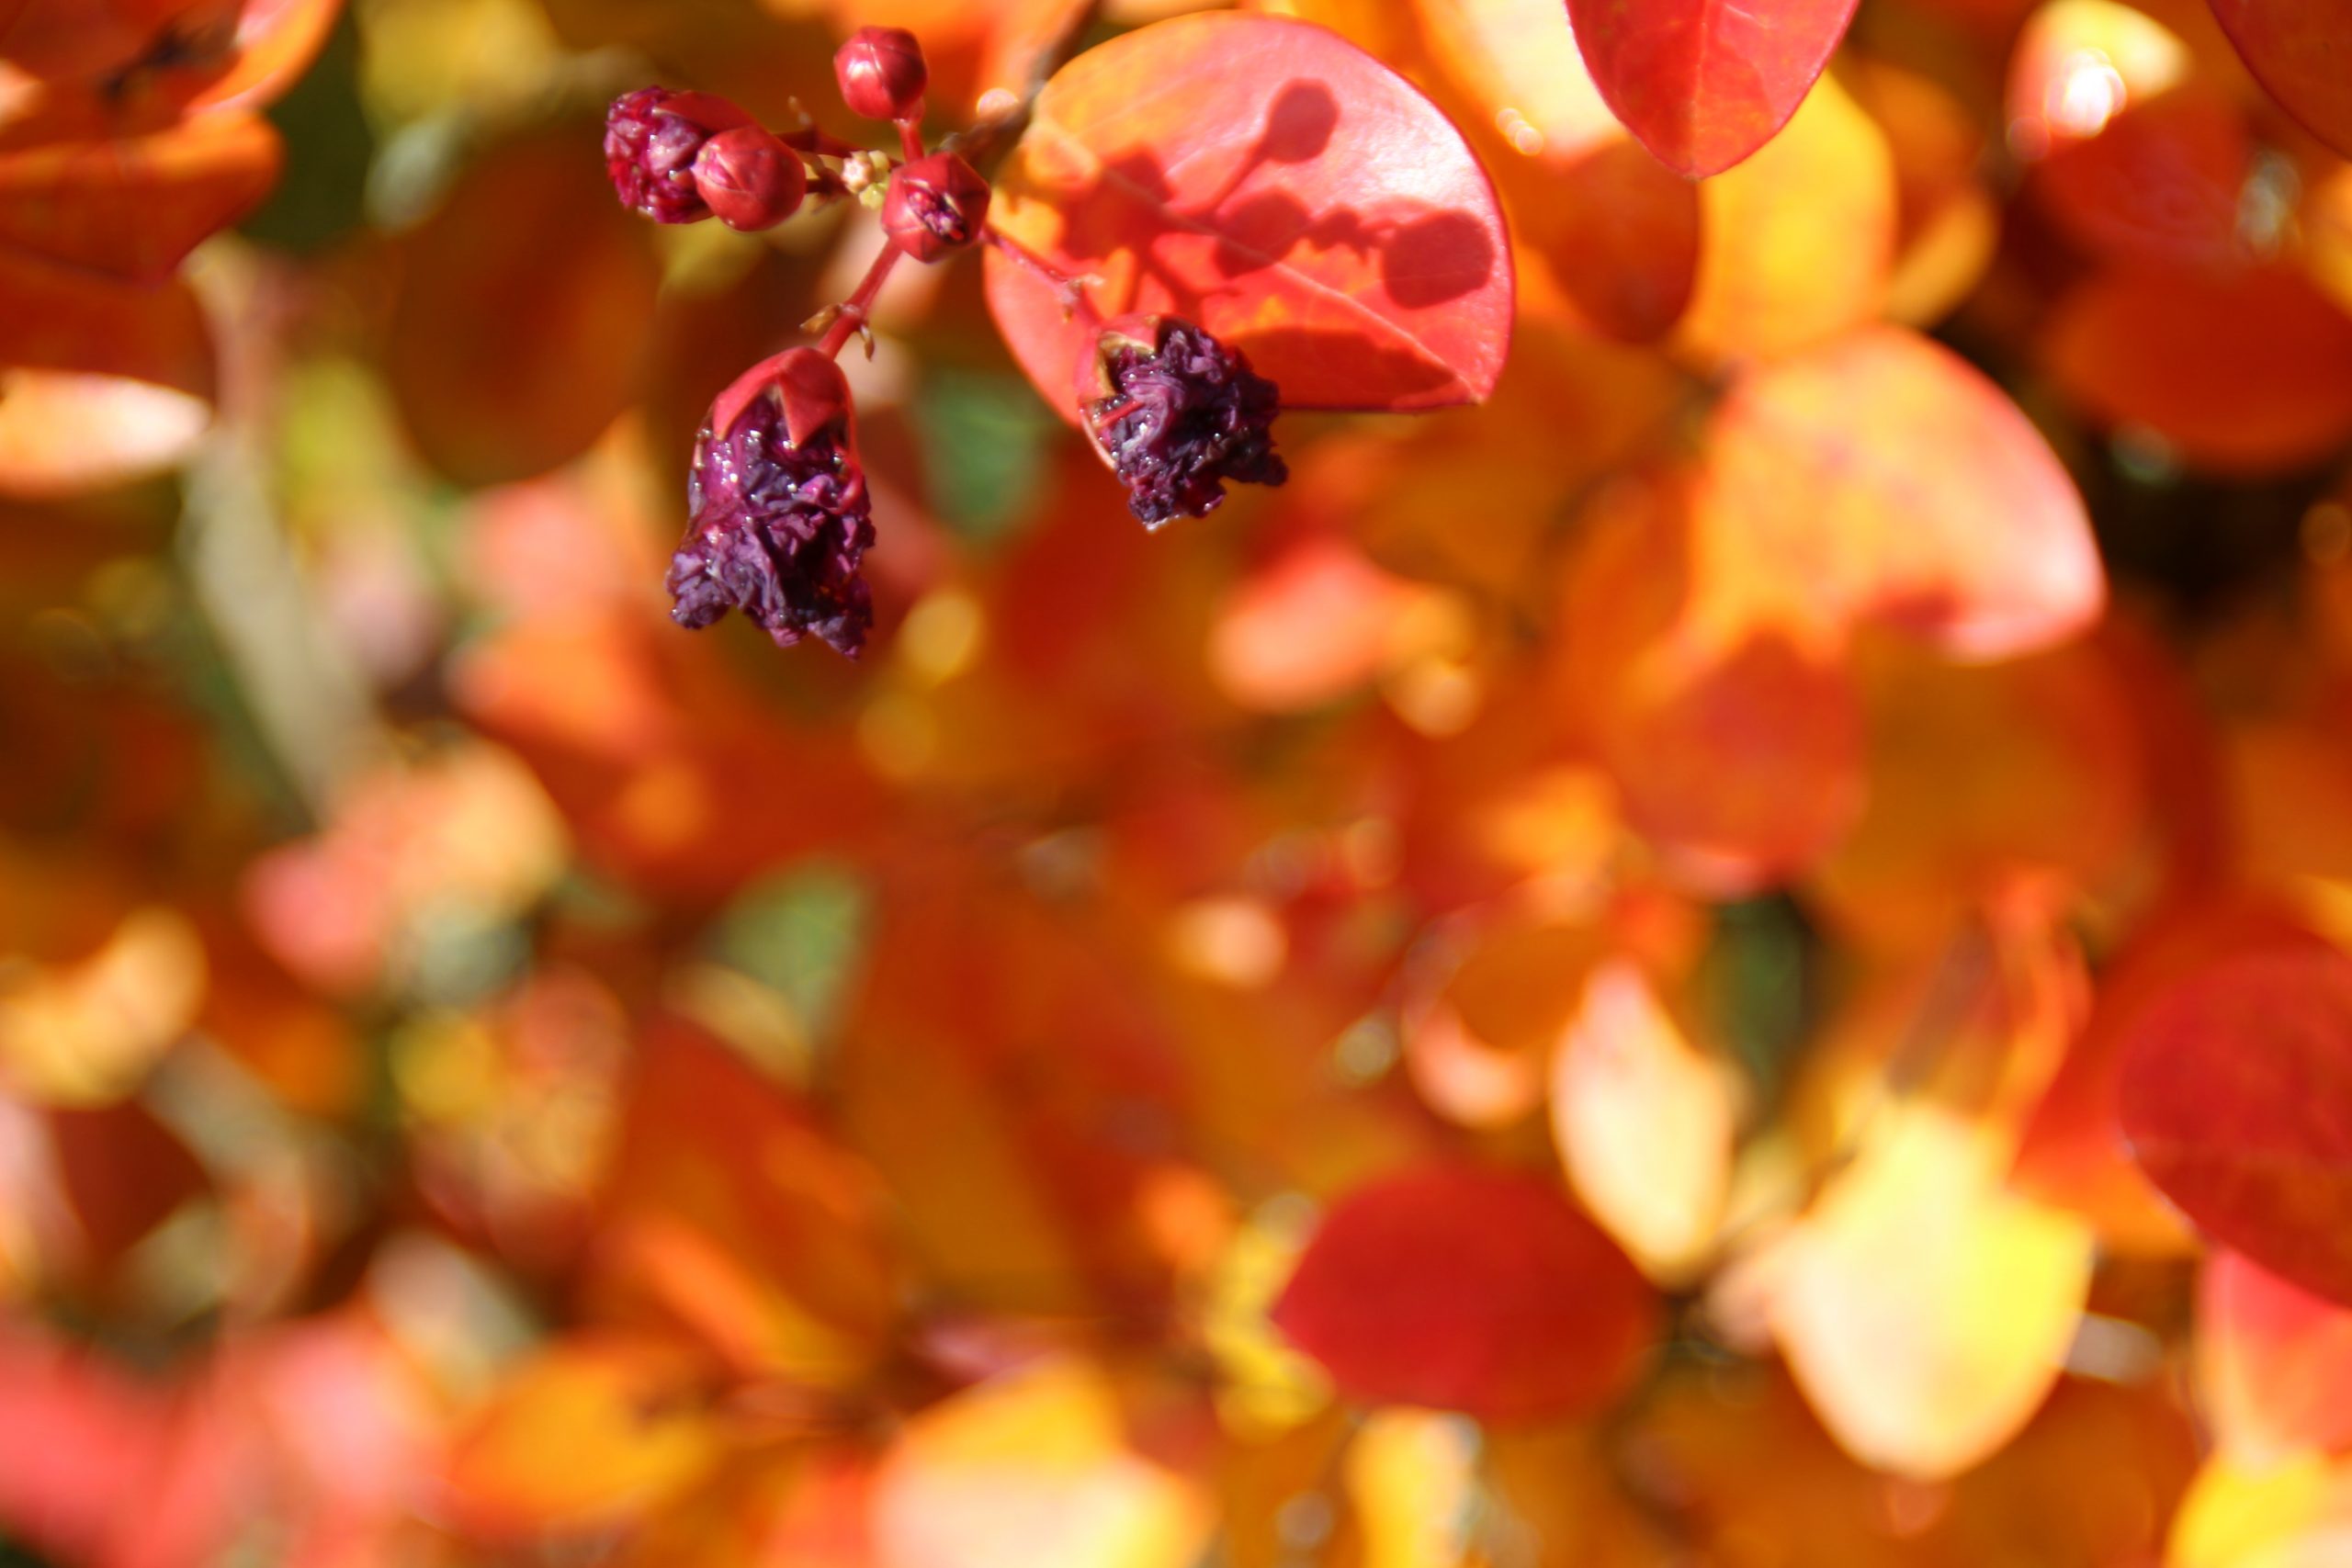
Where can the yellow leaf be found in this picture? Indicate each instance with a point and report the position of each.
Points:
(1799, 239)
(1032, 1471)
(1924, 1309)
(85, 1034)
(1410, 1474)
(1644, 1122)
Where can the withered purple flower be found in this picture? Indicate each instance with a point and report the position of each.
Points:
(652, 137)
(1178, 415)
(781, 519)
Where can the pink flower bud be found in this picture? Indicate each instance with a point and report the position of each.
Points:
(748, 179)
(881, 73)
(936, 206)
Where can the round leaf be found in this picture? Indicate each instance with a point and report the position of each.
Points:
(1886, 478)
(1705, 83)
(525, 310)
(1275, 184)
(2301, 51)
(2237, 1102)
(1472, 1289)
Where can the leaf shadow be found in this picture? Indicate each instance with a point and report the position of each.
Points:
(1422, 256)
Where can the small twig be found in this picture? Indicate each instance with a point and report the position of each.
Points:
(1072, 289)
(848, 319)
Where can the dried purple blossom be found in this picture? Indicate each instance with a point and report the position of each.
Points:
(651, 138)
(935, 206)
(1178, 415)
(781, 519)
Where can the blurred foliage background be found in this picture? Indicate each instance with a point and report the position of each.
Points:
(486, 1075)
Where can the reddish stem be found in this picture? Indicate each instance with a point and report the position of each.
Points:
(855, 309)
(910, 135)
(811, 139)
(1071, 289)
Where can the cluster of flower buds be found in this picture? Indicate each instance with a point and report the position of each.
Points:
(683, 157)
(1178, 415)
(780, 519)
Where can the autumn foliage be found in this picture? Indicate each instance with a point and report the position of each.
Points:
(954, 784)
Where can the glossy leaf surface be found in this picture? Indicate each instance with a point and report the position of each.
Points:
(1343, 237)
(2300, 51)
(1705, 83)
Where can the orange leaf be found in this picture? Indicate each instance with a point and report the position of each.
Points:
(1345, 239)
(160, 58)
(277, 40)
(1315, 622)
(735, 1215)
(525, 310)
(89, 38)
(2138, 156)
(1466, 1289)
(1947, 221)
(589, 1433)
(2300, 51)
(2234, 1085)
(1983, 778)
(1475, 1045)
(2275, 1363)
(136, 207)
(1735, 742)
(2244, 372)
(99, 381)
(1882, 479)
(1619, 231)
(1705, 83)
(1798, 242)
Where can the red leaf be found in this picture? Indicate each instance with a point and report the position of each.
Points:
(124, 1173)
(2245, 373)
(2275, 1363)
(2237, 1102)
(2072, 1151)
(1468, 1289)
(1275, 184)
(2301, 51)
(1705, 83)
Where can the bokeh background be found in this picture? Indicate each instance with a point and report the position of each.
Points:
(487, 1077)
